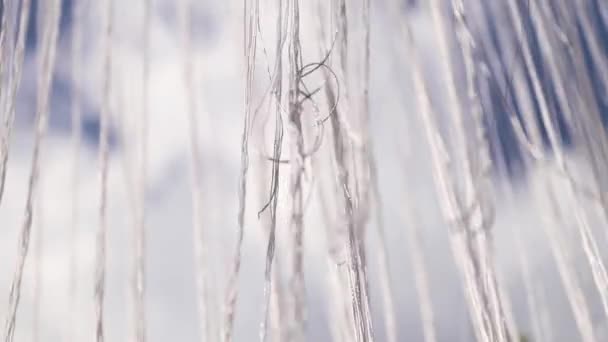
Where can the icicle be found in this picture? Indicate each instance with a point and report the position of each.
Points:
(14, 82)
(297, 172)
(277, 86)
(589, 126)
(360, 301)
(594, 43)
(600, 275)
(4, 13)
(483, 246)
(575, 294)
(420, 273)
(383, 261)
(38, 278)
(104, 154)
(250, 20)
(449, 206)
(199, 231)
(138, 280)
(534, 306)
(47, 66)
(76, 117)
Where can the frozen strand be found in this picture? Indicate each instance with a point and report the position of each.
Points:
(345, 306)
(104, 154)
(46, 65)
(270, 288)
(366, 164)
(453, 97)
(541, 17)
(482, 162)
(462, 245)
(589, 125)
(603, 8)
(276, 305)
(250, 19)
(4, 13)
(76, 118)
(14, 82)
(138, 281)
(421, 280)
(6, 51)
(354, 260)
(338, 306)
(359, 298)
(534, 306)
(594, 44)
(478, 314)
(352, 244)
(590, 101)
(567, 275)
(297, 168)
(390, 322)
(38, 279)
(486, 267)
(600, 275)
(199, 236)
(574, 292)
(422, 287)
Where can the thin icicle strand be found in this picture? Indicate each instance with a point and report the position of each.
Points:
(4, 12)
(199, 233)
(249, 22)
(390, 323)
(297, 172)
(361, 169)
(534, 307)
(354, 278)
(359, 299)
(138, 281)
(269, 286)
(420, 273)
(47, 65)
(14, 82)
(574, 292)
(104, 154)
(76, 117)
(594, 44)
(342, 329)
(38, 279)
